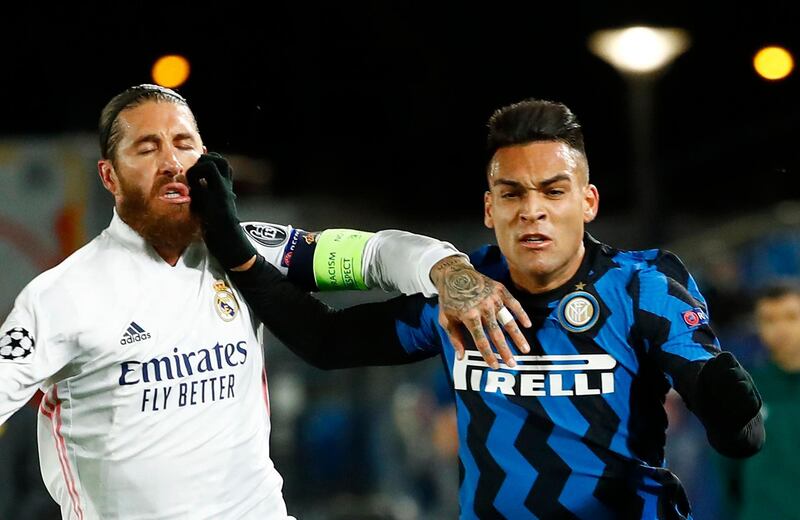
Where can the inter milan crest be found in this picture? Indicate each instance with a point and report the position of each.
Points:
(224, 301)
(578, 311)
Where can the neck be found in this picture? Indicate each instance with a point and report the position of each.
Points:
(539, 283)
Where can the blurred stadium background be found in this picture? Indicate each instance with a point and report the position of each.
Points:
(374, 117)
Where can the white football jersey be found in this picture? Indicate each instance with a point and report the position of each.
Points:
(156, 403)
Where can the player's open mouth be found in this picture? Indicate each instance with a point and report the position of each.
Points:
(175, 193)
(535, 241)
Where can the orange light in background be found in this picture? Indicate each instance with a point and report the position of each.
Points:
(171, 71)
(773, 63)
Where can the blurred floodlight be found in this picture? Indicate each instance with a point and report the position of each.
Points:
(171, 71)
(639, 50)
(773, 63)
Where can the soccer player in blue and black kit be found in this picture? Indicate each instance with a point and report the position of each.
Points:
(576, 427)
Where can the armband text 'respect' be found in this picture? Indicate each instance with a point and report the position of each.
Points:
(338, 258)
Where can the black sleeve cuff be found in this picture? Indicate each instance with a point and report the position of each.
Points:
(743, 443)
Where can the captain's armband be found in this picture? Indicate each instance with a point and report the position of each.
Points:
(338, 259)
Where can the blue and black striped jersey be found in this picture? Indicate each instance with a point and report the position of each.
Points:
(577, 429)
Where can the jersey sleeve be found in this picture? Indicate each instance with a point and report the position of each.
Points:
(417, 325)
(672, 322)
(347, 259)
(672, 319)
(32, 350)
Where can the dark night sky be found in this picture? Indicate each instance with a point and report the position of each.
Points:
(388, 102)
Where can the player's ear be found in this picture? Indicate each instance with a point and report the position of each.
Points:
(488, 219)
(108, 175)
(591, 202)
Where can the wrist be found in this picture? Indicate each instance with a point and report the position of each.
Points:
(446, 265)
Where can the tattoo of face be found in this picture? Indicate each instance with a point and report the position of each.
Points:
(464, 288)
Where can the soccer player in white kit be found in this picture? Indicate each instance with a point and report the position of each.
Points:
(155, 390)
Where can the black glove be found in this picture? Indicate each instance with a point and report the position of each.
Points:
(214, 202)
(728, 404)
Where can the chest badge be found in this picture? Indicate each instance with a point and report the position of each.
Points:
(578, 311)
(224, 301)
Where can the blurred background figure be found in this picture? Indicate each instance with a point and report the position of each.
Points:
(765, 486)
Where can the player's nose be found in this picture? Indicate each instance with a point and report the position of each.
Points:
(533, 208)
(171, 165)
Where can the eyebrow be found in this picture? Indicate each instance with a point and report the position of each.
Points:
(154, 138)
(183, 136)
(542, 184)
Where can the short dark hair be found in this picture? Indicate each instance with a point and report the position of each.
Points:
(778, 289)
(130, 98)
(533, 120)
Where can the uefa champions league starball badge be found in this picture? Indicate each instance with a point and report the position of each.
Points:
(224, 301)
(578, 311)
(16, 345)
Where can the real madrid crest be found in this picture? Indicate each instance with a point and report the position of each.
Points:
(224, 301)
(578, 311)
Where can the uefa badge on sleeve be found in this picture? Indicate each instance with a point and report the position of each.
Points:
(16, 345)
(578, 311)
(224, 301)
(694, 317)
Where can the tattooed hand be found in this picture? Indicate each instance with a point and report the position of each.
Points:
(468, 297)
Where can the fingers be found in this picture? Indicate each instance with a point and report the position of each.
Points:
(212, 167)
(454, 333)
(193, 178)
(213, 176)
(197, 171)
(517, 337)
(498, 338)
(222, 164)
(475, 328)
(453, 330)
(515, 307)
(480, 313)
(508, 302)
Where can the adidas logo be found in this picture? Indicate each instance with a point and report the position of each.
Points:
(133, 334)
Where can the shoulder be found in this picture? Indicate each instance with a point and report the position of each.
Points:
(80, 272)
(658, 263)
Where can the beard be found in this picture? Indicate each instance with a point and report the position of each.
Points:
(166, 227)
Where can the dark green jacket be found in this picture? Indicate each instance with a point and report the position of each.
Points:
(767, 485)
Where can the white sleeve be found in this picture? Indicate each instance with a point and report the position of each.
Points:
(402, 261)
(30, 353)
